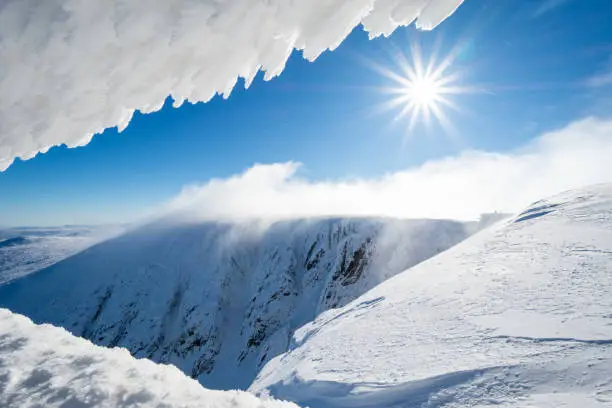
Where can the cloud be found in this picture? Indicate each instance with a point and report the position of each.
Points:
(72, 68)
(459, 187)
(601, 79)
(549, 5)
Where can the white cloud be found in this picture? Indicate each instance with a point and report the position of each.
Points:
(460, 187)
(71, 68)
(601, 79)
(549, 5)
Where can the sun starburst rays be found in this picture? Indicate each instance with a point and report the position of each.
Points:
(421, 90)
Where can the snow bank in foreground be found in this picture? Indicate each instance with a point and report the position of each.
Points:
(517, 316)
(46, 366)
(72, 68)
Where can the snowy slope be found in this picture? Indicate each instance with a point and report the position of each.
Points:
(27, 250)
(517, 316)
(220, 300)
(44, 366)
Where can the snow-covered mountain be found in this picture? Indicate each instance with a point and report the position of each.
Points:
(27, 250)
(519, 315)
(44, 366)
(219, 300)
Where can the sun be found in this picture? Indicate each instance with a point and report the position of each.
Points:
(424, 91)
(421, 89)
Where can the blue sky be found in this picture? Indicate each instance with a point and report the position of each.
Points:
(538, 64)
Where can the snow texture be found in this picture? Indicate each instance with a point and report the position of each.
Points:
(27, 250)
(219, 300)
(73, 68)
(46, 366)
(516, 316)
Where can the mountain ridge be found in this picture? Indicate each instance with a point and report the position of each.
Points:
(515, 316)
(219, 300)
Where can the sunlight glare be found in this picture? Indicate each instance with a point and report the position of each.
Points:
(421, 90)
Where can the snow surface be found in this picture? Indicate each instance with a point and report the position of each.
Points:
(219, 300)
(45, 366)
(72, 68)
(27, 250)
(519, 315)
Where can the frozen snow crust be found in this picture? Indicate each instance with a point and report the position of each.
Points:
(45, 366)
(73, 68)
